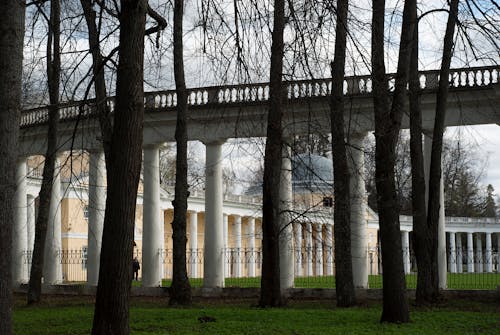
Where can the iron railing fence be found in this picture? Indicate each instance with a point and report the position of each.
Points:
(313, 267)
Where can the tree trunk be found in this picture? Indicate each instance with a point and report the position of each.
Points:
(437, 142)
(115, 276)
(53, 75)
(344, 285)
(387, 126)
(101, 106)
(427, 288)
(11, 57)
(270, 293)
(180, 291)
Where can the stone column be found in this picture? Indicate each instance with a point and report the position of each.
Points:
(152, 223)
(309, 254)
(193, 244)
(488, 254)
(319, 248)
(298, 249)
(405, 240)
(19, 264)
(453, 254)
(479, 253)
(214, 244)
(226, 253)
(96, 207)
(52, 268)
(286, 228)
(359, 240)
(237, 246)
(442, 267)
(251, 247)
(459, 253)
(329, 250)
(31, 223)
(470, 253)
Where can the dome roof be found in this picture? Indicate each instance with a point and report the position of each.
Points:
(312, 172)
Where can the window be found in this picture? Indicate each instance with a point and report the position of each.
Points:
(86, 212)
(327, 202)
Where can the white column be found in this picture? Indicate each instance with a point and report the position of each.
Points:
(319, 248)
(152, 230)
(459, 253)
(479, 253)
(214, 244)
(286, 228)
(96, 207)
(298, 249)
(226, 254)
(488, 254)
(19, 264)
(359, 240)
(453, 254)
(31, 222)
(442, 267)
(405, 239)
(193, 244)
(470, 253)
(309, 246)
(237, 246)
(329, 250)
(252, 258)
(52, 268)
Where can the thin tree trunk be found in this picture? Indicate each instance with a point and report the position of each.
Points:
(427, 288)
(437, 143)
(53, 75)
(180, 291)
(344, 285)
(11, 57)
(113, 291)
(270, 293)
(102, 108)
(387, 126)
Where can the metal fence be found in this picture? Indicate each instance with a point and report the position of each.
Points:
(313, 267)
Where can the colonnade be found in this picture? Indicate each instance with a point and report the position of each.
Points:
(306, 248)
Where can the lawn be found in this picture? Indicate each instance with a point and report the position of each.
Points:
(73, 315)
(460, 281)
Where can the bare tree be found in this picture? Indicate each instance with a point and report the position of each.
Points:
(180, 291)
(435, 172)
(113, 292)
(270, 292)
(53, 76)
(344, 285)
(387, 126)
(426, 290)
(11, 58)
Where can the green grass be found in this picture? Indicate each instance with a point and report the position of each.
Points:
(457, 281)
(73, 315)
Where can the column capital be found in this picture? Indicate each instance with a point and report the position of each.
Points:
(214, 141)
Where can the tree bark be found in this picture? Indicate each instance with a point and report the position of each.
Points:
(180, 291)
(437, 144)
(344, 285)
(270, 293)
(53, 76)
(11, 58)
(427, 283)
(115, 276)
(387, 126)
